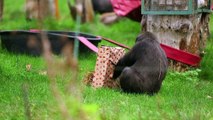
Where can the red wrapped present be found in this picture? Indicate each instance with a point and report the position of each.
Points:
(106, 60)
(128, 8)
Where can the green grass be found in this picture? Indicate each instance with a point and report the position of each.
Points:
(207, 64)
(183, 95)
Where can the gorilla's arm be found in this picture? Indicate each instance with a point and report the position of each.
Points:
(122, 63)
(127, 60)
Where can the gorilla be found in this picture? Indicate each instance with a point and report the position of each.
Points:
(144, 67)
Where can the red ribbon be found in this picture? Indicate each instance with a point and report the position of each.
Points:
(181, 56)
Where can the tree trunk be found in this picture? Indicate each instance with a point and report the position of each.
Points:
(82, 9)
(39, 9)
(184, 32)
(1, 9)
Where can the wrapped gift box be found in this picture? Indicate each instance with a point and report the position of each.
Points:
(106, 60)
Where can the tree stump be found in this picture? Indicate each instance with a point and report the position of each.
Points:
(39, 9)
(83, 9)
(184, 32)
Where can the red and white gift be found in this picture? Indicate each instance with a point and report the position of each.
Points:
(106, 60)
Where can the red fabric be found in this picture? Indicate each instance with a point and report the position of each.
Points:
(135, 14)
(128, 8)
(212, 7)
(181, 56)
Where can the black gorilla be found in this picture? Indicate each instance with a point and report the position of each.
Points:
(144, 67)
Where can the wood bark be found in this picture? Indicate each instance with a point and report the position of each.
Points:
(39, 9)
(83, 9)
(184, 32)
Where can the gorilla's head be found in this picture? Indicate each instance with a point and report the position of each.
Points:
(146, 35)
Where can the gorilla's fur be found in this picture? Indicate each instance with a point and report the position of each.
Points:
(144, 67)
